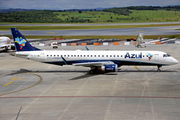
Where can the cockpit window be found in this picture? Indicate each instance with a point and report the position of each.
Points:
(166, 55)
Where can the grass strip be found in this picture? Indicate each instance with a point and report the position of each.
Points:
(81, 27)
(102, 37)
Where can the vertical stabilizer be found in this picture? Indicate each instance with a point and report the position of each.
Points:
(139, 40)
(20, 42)
(140, 37)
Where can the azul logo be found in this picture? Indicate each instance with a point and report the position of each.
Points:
(149, 55)
(133, 55)
(20, 41)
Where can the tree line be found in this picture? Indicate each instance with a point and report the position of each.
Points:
(119, 11)
(126, 10)
(169, 8)
(40, 16)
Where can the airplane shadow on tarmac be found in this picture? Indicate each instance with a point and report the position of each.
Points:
(87, 74)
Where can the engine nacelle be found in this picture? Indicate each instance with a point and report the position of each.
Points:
(109, 68)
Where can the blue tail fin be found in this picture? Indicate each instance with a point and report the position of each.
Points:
(20, 41)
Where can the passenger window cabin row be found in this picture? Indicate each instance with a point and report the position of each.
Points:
(85, 55)
(90, 55)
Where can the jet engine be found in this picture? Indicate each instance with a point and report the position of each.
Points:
(109, 68)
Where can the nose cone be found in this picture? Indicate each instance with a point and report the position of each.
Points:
(175, 61)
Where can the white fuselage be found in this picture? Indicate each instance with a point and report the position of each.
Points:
(120, 58)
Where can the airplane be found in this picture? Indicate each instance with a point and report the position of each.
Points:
(104, 61)
(139, 41)
(5, 43)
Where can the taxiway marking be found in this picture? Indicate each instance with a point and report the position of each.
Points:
(25, 88)
(8, 83)
(137, 68)
(15, 78)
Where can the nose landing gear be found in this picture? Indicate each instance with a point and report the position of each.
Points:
(158, 70)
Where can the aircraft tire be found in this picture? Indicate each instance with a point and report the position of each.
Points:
(91, 72)
(12, 47)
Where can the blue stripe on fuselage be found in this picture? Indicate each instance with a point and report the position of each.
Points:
(118, 62)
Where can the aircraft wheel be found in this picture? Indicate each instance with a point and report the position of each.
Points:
(12, 47)
(6, 48)
(91, 72)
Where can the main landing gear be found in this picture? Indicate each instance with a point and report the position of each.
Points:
(91, 71)
(95, 70)
(158, 70)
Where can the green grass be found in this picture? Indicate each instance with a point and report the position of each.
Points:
(80, 27)
(156, 16)
(135, 16)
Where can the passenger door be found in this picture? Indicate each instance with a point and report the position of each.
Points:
(156, 57)
(42, 56)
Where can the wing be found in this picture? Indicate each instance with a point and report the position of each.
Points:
(91, 64)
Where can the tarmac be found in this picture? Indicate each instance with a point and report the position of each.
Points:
(166, 30)
(91, 24)
(37, 91)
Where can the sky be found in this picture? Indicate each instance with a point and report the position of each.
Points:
(81, 4)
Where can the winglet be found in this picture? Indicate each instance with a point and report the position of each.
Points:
(20, 42)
